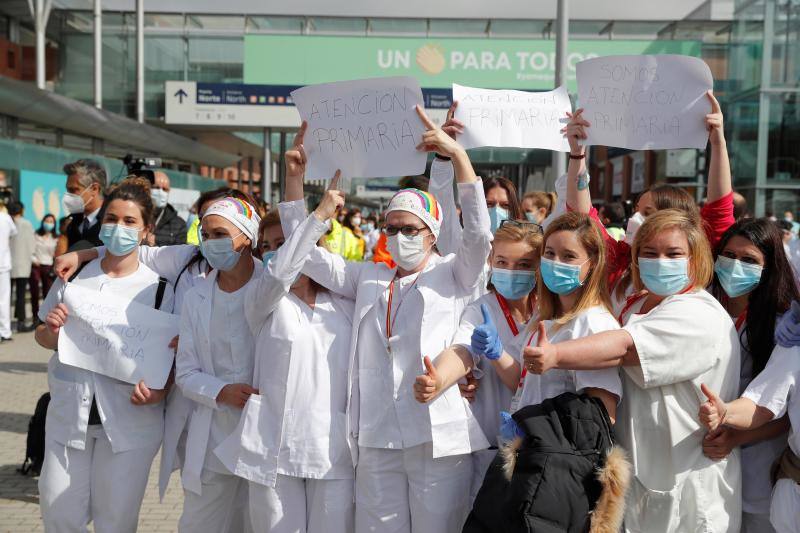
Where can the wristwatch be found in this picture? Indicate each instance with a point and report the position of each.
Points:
(583, 180)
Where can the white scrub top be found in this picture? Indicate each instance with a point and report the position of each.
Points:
(127, 426)
(686, 340)
(538, 388)
(492, 395)
(776, 388)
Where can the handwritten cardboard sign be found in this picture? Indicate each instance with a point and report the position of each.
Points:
(644, 102)
(116, 337)
(366, 128)
(517, 119)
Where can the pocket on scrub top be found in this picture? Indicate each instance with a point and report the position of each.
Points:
(65, 397)
(312, 438)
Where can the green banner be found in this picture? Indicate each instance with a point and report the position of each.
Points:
(435, 62)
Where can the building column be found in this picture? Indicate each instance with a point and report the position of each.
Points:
(140, 60)
(762, 150)
(40, 12)
(98, 54)
(562, 38)
(266, 167)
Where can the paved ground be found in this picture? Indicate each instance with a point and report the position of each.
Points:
(23, 378)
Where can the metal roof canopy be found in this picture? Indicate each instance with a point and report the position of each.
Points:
(24, 100)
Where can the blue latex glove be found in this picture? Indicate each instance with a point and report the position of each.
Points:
(787, 331)
(509, 429)
(485, 340)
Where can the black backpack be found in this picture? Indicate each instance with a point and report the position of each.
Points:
(34, 444)
(564, 475)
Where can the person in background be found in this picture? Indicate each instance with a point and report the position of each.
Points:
(42, 269)
(739, 206)
(352, 224)
(170, 228)
(613, 218)
(86, 184)
(62, 242)
(192, 224)
(538, 205)
(22, 246)
(341, 241)
(786, 235)
(501, 200)
(372, 233)
(788, 216)
(7, 230)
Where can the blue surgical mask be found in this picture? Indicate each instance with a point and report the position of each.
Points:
(269, 254)
(532, 217)
(513, 284)
(119, 240)
(220, 253)
(664, 277)
(736, 277)
(560, 278)
(48, 226)
(497, 215)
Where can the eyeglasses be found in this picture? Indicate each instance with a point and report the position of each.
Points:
(533, 227)
(408, 231)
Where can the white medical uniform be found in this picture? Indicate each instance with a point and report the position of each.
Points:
(492, 395)
(170, 262)
(291, 442)
(84, 464)
(7, 230)
(216, 348)
(776, 389)
(686, 340)
(538, 388)
(757, 460)
(414, 469)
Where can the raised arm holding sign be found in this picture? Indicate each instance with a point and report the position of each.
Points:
(365, 128)
(516, 119)
(645, 102)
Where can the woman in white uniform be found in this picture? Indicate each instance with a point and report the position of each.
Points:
(291, 443)
(507, 308)
(753, 278)
(214, 365)
(675, 336)
(414, 469)
(102, 434)
(774, 393)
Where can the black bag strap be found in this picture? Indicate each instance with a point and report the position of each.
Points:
(77, 271)
(185, 267)
(162, 286)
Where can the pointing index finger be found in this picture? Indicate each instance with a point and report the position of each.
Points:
(426, 121)
(334, 184)
(715, 108)
(298, 139)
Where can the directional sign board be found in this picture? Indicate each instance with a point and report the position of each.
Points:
(248, 105)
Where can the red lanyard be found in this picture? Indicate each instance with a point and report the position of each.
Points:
(741, 319)
(507, 313)
(389, 321)
(632, 299)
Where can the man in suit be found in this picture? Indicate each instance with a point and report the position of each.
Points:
(86, 184)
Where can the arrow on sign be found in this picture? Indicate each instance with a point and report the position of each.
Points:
(181, 94)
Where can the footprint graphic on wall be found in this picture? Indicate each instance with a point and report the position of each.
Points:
(54, 201)
(38, 203)
(430, 59)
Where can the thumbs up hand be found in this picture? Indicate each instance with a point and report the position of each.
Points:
(485, 339)
(712, 411)
(542, 357)
(427, 386)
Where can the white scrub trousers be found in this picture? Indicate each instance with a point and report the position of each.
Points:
(407, 491)
(5, 304)
(220, 508)
(784, 511)
(301, 505)
(95, 484)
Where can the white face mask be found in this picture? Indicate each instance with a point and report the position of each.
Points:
(160, 198)
(634, 223)
(407, 252)
(73, 203)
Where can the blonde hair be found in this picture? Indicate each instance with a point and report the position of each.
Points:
(542, 199)
(511, 233)
(594, 289)
(701, 261)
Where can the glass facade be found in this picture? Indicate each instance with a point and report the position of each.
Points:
(762, 109)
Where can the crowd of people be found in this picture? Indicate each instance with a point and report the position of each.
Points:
(469, 359)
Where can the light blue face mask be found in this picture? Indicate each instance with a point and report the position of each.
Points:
(119, 240)
(736, 277)
(664, 277)
(513, 284)
(269, 254)
(560, 278)
(220, 253)
(48, 226)
(497, 215)
(532, 217)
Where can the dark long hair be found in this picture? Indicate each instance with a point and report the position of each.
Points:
(42, 232)
(514, 207)
(773, 294)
